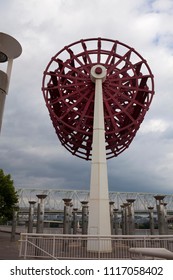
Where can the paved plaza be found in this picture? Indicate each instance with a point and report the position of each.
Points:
(9, 250)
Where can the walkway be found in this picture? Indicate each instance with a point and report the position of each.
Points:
(9, 250)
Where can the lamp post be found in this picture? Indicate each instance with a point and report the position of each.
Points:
(9, 50)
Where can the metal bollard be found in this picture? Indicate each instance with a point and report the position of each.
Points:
(122, 219)
(151, 220)
(75, 220)
(67, 216)
(14, 224)
(40, 213)
(126, 204)
(31, 216)
(84, 217)
(131, 216)
(116, 224)
(161, 214)
(111, 204)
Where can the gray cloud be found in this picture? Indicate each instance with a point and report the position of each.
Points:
(29, 148)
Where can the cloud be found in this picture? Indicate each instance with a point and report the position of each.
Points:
(29, 148)
(154, 126)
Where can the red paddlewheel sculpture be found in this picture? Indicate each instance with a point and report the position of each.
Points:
(69, 94)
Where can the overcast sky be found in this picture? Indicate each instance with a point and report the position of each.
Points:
(29, 148)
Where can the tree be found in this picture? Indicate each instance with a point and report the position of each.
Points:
(8, 197)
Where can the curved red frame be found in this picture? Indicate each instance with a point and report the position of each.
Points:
(69, 94)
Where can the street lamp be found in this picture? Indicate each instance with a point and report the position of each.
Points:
(3, 57)
(9, 50)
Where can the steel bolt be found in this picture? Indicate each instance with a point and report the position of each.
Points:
(98, 70)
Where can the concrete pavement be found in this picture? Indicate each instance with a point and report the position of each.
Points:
(9, 250)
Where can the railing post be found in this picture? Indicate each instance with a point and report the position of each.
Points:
(26, 246)
(144, 241)
(53, 249)
(99, 247)
(22, 245)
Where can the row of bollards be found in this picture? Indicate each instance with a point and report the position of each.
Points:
(71, 222)
(71, 219)
(128, 219)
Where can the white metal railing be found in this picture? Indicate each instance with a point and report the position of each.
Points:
(68, 246)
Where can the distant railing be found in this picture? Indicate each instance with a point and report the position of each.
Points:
(63, 246)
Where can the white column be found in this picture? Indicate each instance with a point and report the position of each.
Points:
(99, 214)
(3, 93)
